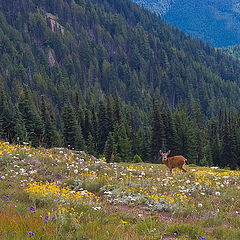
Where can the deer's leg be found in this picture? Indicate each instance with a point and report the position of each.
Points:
(183, 168)
(170, 169)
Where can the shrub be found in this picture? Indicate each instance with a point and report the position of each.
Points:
(137, 159)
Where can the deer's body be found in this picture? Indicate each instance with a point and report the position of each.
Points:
(173, 162)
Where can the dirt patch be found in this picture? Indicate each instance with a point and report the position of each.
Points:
(141, 212)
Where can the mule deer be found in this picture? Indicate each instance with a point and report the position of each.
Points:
(173, 162)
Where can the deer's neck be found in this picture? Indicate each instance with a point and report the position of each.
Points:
(165, 161)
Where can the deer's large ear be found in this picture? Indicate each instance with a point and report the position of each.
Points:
(161, 152)
(168, 152)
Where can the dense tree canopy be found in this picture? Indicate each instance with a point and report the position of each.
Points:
(110, 77)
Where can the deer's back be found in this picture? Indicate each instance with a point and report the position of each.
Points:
(176, 160)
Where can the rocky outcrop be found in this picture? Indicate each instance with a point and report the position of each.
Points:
(54, 25)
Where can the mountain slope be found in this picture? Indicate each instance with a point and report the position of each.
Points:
(233, 51)
(213, 21)
(90, 74)
(109, 46)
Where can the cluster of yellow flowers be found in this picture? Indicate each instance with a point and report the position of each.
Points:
(7, 148)
(53, 190)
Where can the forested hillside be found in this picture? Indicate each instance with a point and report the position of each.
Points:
(213, 21)
(112, 78)
(233, 51)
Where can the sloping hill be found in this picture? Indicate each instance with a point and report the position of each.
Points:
(84, 74)
(63, 194)
(108, 46)
(233, 51)
(213, 21)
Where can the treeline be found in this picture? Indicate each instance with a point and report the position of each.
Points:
(111, 128)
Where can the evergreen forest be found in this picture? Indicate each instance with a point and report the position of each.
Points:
(112, 79)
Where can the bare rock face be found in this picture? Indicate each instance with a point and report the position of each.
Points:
(55, 26)
(51, 59)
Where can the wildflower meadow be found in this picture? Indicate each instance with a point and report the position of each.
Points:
(65, 194)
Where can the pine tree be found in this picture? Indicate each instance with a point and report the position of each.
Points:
(185, 135)
(51, 136)
(102, 127)
(123, 144)
(87, 129)
(169, 129)
(31, 117)
(71, 129)
(109, 112)
(200, 134)
(19, 127)
(158, 133)
(110, 148)
(144, 144)
(91, 145)
(117, 113)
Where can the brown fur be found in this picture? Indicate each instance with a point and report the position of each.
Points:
(173, 162)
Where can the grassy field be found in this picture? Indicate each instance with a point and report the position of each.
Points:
(62, 194)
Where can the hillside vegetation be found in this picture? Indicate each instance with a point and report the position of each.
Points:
(63, 194)
(233, 51)
(113, 79)
(215, 22)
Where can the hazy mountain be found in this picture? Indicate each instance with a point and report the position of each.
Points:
(213, 21)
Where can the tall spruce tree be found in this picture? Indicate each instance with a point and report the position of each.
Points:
(123, 144)
(158, 131)
(110, 149)
(31, 117)
(51, 136)
(102, 127)
(72, 133)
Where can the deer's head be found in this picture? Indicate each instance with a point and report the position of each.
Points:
(164, 155)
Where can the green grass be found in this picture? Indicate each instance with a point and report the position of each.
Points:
(112, 201)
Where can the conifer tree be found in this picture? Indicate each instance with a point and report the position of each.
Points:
(158, 133)
(109, 112)
(87, 129)
(31, 117)
(51, 136)
(110, 148)
(185, 135)
(169, 129)
(71, 129)
(144, 144)
(117, 113)
(123, 144)
(91, 145)
(19, 127)
(102, 127)
(200, 134)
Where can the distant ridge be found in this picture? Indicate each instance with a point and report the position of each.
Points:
(213, 21)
